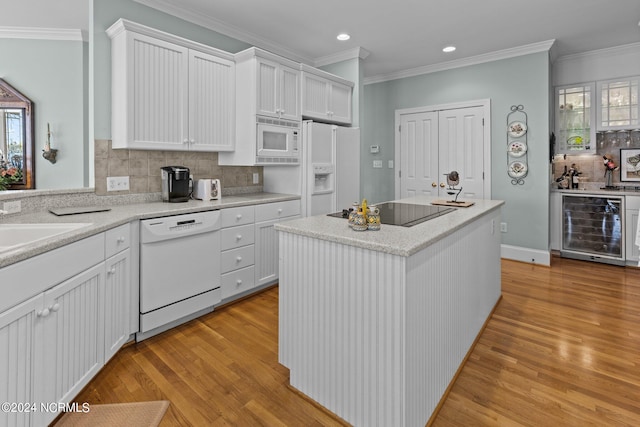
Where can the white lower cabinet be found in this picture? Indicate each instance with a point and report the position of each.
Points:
(632, 207)
(52, 344)
(267, 216)
(237, 253)
(72, 339)
(17, 359)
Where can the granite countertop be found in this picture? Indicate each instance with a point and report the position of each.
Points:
(596, 188)
(396, 240)
(118, 215)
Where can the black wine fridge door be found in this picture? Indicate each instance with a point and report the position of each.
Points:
(593, 226)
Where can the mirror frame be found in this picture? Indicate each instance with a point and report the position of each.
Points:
(12, 98)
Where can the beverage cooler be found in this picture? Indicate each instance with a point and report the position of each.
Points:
(593, 228)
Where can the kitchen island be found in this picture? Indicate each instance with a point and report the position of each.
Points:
(374, 325)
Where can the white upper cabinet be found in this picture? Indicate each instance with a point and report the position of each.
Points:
(325, 97)
(574, 119)
(169, 93)
(618, 107)
(277, 90)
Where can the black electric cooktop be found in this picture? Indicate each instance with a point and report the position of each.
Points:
(404, 214)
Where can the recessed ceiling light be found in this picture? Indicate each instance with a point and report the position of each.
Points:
(449, 49)
(343, 37)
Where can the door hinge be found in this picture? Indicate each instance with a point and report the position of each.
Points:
(399, 174)
(483, 122)
(399, 128)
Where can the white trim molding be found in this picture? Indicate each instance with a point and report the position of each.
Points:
(544, 46)
(42, 33)
(532, 256)
(357, 52)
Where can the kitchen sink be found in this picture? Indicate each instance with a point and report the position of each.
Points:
(15, 235)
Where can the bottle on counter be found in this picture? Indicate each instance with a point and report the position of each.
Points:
(574, 173)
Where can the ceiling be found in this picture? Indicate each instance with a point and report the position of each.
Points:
(398, 36)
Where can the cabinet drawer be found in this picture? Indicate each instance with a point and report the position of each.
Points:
(234, 259)
(269, 211)
(235, 237)
(632, 202)
(237, 216)
(117, 239)
(237, 281)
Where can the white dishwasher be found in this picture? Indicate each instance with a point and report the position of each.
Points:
(179, 269)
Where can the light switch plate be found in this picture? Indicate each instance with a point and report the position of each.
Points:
(377, 164)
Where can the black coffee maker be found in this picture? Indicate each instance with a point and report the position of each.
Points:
(176, 184)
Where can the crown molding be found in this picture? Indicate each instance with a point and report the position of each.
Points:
(357, 52)
(221, 27)
(513, 52)
(42, 33)
(633, 48)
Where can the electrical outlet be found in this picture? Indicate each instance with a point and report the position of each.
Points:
(390, 164)
(503, 227)
(117, 183)
(256, 178)
(12, 207)
(377, 164)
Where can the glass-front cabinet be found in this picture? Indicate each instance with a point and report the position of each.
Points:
(575, 118)
(618, 107)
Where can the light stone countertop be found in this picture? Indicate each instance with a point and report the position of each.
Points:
(118, 215)
(395, 240)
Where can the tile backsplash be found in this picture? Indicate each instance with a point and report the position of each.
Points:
(591, 167)
(143, 168)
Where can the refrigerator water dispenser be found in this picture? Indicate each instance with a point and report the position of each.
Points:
(323, 178)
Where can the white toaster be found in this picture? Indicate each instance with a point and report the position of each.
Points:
(207, 189)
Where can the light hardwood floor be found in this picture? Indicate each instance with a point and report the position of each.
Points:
(562, 349)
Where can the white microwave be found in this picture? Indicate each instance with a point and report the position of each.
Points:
(277, 142)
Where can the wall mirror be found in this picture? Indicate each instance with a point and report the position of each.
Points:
(16, 138)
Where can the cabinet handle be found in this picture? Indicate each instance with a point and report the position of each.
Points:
(239, 259)
(239, 217)
(279, 211)
(239, 282)
(43, 313)
(186, 141)
(111, 271)
(55, 307)
(239, 237)
(121, 239)
(192, 141)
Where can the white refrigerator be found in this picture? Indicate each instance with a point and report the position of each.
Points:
(330, 167)
(328, 178)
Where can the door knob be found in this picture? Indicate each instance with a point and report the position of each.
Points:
(433, 184)
(442, 185)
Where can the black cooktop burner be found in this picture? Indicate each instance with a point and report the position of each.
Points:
(404, 214)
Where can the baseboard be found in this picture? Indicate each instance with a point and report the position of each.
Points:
(533, 256)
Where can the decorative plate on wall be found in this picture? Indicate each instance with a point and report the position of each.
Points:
(517, 148)
(517, 169)
(517, 129)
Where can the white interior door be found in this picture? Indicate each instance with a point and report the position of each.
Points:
(419, 154)
(435, 142)
(461, 148)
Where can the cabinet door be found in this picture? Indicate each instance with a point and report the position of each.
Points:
(289, 104)
(17, 348)
(575, 118)
(157, 94)
(73, 337)
(267, 88)
(633, 253)
(117, 303)
(211, 103)
(266, 247)
(315, 97)
(340, 103)
(618, 108)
